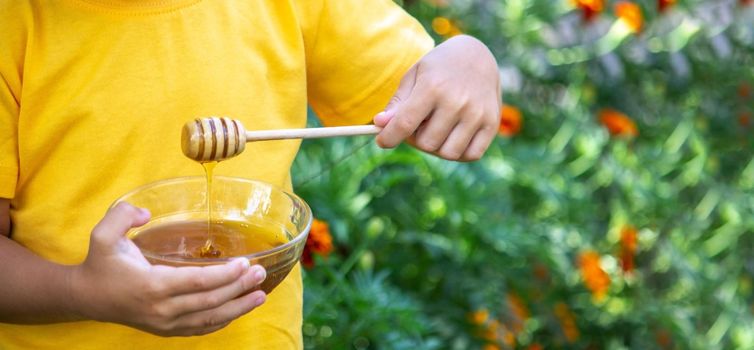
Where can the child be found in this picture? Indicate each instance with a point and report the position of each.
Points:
(93, 97)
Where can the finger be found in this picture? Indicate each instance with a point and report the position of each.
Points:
(193, 279)
(382, 118)
(210, 319)
(479, 143)
(402, 93)
(458, 141)
(211, 299)
(409, 115)
(406, 110)
(117, 221)
(404, 89)
(435, 130)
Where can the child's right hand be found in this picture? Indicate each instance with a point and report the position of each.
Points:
(117, 284)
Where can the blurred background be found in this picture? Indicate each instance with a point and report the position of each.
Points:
(613, 211)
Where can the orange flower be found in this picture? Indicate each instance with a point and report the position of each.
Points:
(589, 8)
(744, 90)
(490, 347)
(567, 322)
(492, 330)
(319, 242)
(628, 239)
(519, 311)
(445, 27)
(628, 247)
(535, 346)
(617, 123)
(479, 317)
(663, 338)
(540, 272)
(510, 121)
(497, 332)
(509, 338)
(627, 263)
(630, 14)
(744, 119)
(663, 5)
(595, 278)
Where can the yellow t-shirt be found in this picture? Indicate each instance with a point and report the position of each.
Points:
(94, 94)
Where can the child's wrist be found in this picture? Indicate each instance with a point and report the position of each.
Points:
(75, 290)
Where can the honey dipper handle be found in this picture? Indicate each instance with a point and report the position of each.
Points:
(306, 133)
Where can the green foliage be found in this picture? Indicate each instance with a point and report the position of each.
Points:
(422, 243)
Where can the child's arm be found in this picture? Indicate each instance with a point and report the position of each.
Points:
(4, 217)
(448, 103)
(116, 284)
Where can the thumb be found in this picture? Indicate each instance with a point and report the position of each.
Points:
(404, 91)
(117, 221)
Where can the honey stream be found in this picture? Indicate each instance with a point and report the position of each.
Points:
(208, 250)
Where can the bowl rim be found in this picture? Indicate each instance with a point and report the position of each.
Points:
(302, 236)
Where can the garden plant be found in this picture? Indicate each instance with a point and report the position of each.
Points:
(614, 211)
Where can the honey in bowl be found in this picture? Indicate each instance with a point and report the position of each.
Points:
(250, 219)
(176, 242)
(186, 239)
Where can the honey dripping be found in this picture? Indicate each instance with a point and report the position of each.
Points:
(209, 250)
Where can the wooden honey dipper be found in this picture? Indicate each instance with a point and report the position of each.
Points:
(219, 138)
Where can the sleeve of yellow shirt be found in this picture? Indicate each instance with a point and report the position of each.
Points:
(357, 52)
(12, 44)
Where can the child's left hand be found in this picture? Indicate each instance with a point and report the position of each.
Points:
(447, 104)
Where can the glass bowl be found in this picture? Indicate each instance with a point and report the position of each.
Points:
(250, 219)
